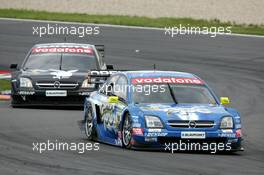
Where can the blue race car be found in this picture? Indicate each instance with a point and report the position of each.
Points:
(161, 110)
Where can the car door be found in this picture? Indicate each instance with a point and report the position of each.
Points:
(111, 112)
(104, 109)
(120, 90)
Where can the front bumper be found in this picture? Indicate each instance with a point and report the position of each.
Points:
(38, 98)
(172, 140)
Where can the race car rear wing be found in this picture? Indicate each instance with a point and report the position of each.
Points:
(100, 49)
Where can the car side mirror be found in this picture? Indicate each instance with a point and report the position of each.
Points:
(13, 66)
(224, 100)
(112, 99)
(110, 67)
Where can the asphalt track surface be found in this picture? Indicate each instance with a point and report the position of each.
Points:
(232, 65)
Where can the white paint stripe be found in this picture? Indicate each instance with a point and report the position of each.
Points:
(6, 92)
(5, 76)
(116, 26)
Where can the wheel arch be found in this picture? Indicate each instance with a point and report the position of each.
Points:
(126, 111)
(86, 103)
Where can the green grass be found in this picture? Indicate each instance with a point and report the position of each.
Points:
(129, 20)
(5, 85)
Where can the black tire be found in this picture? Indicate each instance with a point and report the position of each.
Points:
(89, 126)
(127, 132)
(15, 101)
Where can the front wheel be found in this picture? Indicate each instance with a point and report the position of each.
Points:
(89, 127)
(16, 101)
(127, 132)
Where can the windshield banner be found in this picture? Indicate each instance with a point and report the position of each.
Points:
(173, 80)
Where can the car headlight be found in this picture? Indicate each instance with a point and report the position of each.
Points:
(227, 123)
(153, 122)
(86, 84)
(25, 82)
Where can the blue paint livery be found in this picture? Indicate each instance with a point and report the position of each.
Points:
(108, 128)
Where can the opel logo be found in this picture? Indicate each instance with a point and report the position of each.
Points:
(192, 124)
(57, 84)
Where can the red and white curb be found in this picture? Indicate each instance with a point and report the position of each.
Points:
(5, 74)
(5, 95)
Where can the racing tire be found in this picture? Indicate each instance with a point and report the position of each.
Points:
(89, 125)
(15, 101)
(127, 132)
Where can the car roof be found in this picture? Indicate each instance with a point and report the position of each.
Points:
(157, 73)
(62, 44)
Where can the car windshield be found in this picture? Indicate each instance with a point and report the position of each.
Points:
(61, 61)
(172, 93)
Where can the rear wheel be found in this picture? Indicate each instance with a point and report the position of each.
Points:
(127, 132)
(89, 127)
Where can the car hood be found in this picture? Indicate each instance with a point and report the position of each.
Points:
(54, 75)
(184, 112)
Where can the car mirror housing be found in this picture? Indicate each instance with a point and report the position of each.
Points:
(110, 67)
(224, 100)
(13, 66)
(113, 99)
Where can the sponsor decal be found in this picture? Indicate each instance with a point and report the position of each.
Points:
(136, 125)
(119, 134)
(188, 116)
(159, 107)
(60, 74)
(237, 120)
(134, 116)
(182, 110)
(62, 50)
(36, 71)
(238, 126)
(151, 139)
(174, 80)
(57, 93)
(101, 73)
(192, 135)
(84, 93)
(156, 134)
(227, 135)
(227, 130)
(187, 111)
(238, 133)
(118, 142)
(154, 130)
(132, 142)
(26, 92)
(137, 131)
(135, 119)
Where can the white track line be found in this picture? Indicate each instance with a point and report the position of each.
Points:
(5, 76)
(114, 26)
